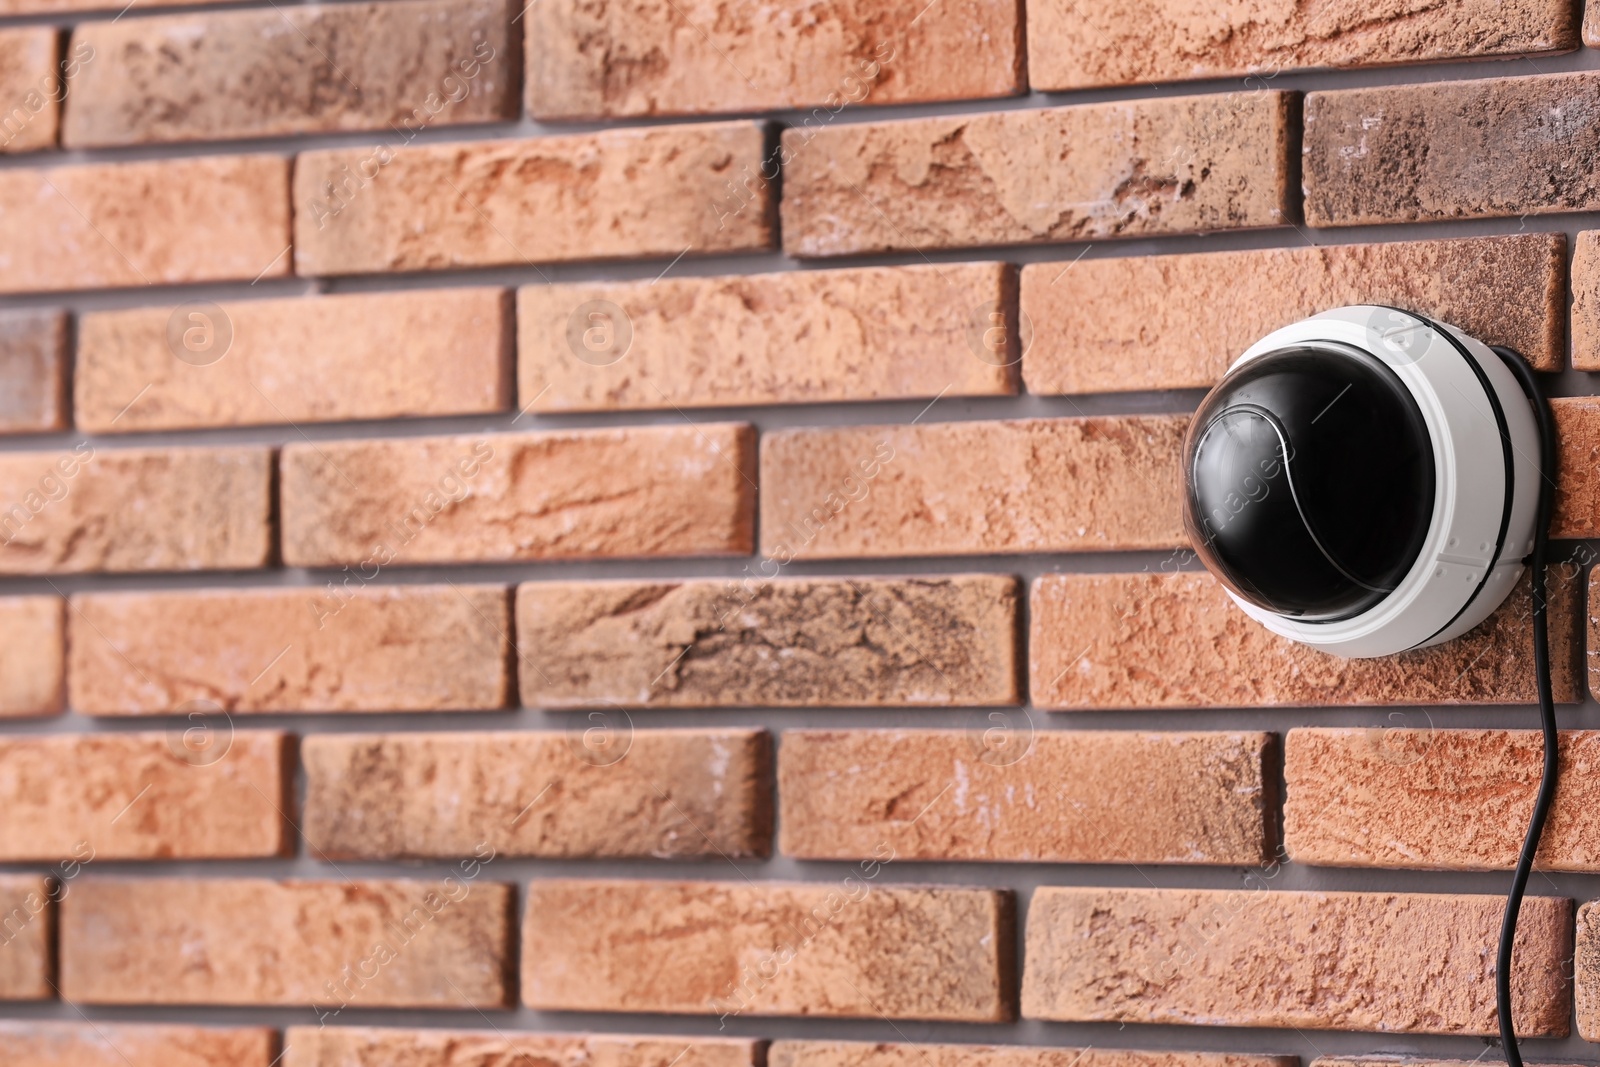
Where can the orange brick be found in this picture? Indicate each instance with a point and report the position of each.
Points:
(1586, 972)
(883, 1054)
(844, 642)
(439, 943)
(972, 488)
(390, 648)
(1577, 504)
(848, 948)
(1104, 325)
(1174, 640)
(1128, 169)
(1333, 961)
(103, 1044)
(364, 1046)
(78, 509)
(663, 191)
(803, 337)
(33, 371)
(1000, 793)
(198, 791)
(628, 59)
(318, 359)
(30, 88)
(33, 671)
(27, 936)
(599, 790)
(402, 66)
(1076, 44)
(1586, 301)
(102, 225)
(572, 494)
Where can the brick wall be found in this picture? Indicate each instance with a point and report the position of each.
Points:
(647, 535)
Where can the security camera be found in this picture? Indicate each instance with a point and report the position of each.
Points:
(1366, 481)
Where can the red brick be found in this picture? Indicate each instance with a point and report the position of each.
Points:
(300, 360)
(225, 75)
(842, 642)
(663, 191)
(803, 337)
(391, 648)
(30, 88)
(1176, 165)
(103, 225)
(883, 1054)
(103, 1044)
(33, 371)
(1133, 323)
(198, 791)
(27, 936)
(1331, 961)
(598, 790)
(1586, 971)
(1000, 792)
(365, 1046)
(847, 948)
(438, 943)
(1577, 503)
(677, 490)
(1173, 640)
(33, 671)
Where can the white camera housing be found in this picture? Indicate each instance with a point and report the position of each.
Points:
(1396, 521)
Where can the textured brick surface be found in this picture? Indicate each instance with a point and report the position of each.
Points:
(1176, 641)
(103, 1044)
(30, 88)
(399, 65)
(31, 7)
(199, 219)
(963, 488)
(882, 1054)
(436, 943)
(850, 948)
(1459, 149)
(1332, 961)
(1109, 325)
(1586, 301)
(1586, 970)
(997, 792)
(33, 670)
(1577, 503)
(598, 790)
(1065, 174)
(78, 508)
(644, 192)
(199, 791)
(854, 642)
(33, 371)
(801, 337)
(399, 648)
(362, 1046)
(628, 492)
(589, 61)
(27, 936)
(1417, 796)
(1075, 44)
(324, 359)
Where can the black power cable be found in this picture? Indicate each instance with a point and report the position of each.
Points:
(1547, 706)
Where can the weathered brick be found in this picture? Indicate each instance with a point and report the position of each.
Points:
(440, 943)
(30, 88)
(1332, 961)
(1577, 502)
(803, 337)
(685, 490)
(160, 509)
(390, 648)
(103, 1044)
(38, 7)
(322, 359)
(1077, 44)
(1179, 165)
(1586, 301)
(593, 61)
(33, 371)
(199, 791)
(883, 1054)
(1002, 793)
(27, 936)
(101, 225)
(1103, 325)
(1175, 640)
(849, 642)
(1586, 972)
(851, 948)
(973, 488)
(599, 790)
(33, 670)
(1456, 149)
(224, 75)
(664, 191)
(362, 1046)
